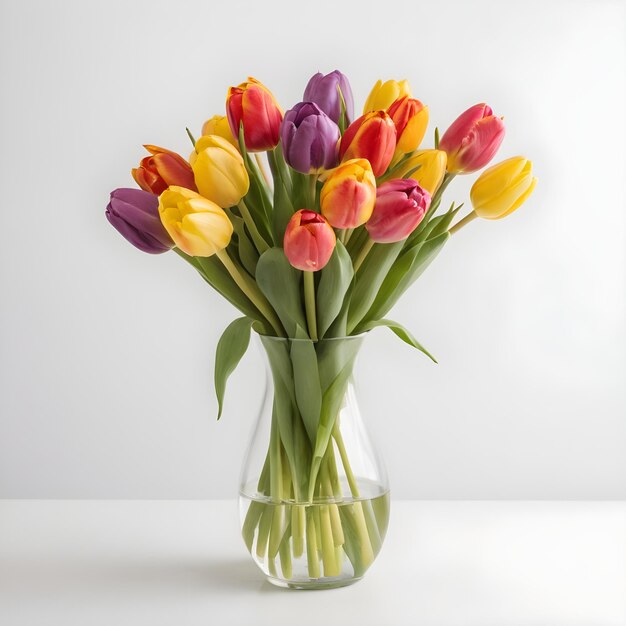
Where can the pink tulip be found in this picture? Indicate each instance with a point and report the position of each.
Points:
(309, 241)
(400, 206)
(472, 140)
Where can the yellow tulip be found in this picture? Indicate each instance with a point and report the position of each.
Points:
(197, 226)
(502, 188)
(219, 171)
(432, 169)
(218, 125)
(384, 94)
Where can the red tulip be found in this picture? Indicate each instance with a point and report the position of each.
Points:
(162, 169)
(309, 241)
(253, 105)
(400, 206)
(373, 137)
(472, 140)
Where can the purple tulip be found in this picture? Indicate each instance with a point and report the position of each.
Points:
(323, 91)
(310, 139)
(134, 214)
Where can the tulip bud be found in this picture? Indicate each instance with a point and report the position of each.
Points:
(253, 105)
(472, 140)
(324, 91)
(400, 206)
(218, 125)
(134, 214)
(431, 168)
(164, 168)
(384, 94)
(220, 173)
(348, 194)
(309, 241)
(309, 138)
(198, 226)
(410, 118)
(502, 188)
(373, 137)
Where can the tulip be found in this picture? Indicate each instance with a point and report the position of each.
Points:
(218, 125)
(219, 171)
(400, 206)
(324, 91)
(162, 169)
(198, 226)
(253, 105)
(431, 166)
(472, 140)
(384, 94)
(309, 138)
(348, 195)
(373, 137)
(309, 241)
(410, 118)
(502, 188)
(134, 214)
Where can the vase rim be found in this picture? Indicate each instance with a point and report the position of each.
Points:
(307, 340)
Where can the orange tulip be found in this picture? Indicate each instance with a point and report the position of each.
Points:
(163, 169)
(410, 117)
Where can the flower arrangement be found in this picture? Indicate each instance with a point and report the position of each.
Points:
(316, 251)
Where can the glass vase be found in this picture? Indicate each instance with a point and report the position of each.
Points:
(314, 496)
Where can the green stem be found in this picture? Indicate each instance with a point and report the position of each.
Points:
(259, 162)
(312, 191)
(369, 244)
(354, 489)
(311, 545)
(470, 217)
(259, 242)
(257, 298)
(309, 303)
(347, 234)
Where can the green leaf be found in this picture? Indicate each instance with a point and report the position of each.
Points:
(230, 349)
(280, 283)
(306, 381)
(331, 404)
(401, 332)
(339, 328)
(257, 199)
(333, 286)
(404, 272)
(343, 116)
(438, 225)
(246, 251)
(283, 205)
(369, 278)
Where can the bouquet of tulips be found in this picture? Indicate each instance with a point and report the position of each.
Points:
(320, 247)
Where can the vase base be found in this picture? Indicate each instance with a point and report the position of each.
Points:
(313, 584)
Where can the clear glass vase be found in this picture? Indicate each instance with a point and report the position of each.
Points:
(314, 496)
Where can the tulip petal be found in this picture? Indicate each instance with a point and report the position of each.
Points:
(521, 199)
(481, 145)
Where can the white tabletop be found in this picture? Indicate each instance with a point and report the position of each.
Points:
(182, 563)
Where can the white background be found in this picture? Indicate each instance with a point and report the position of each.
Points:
(107, 354)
